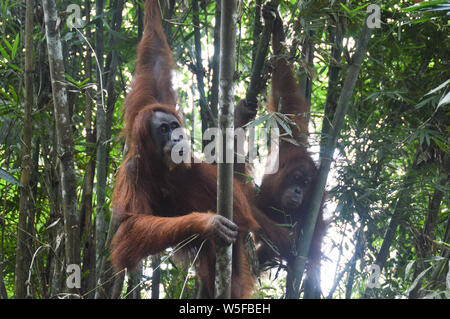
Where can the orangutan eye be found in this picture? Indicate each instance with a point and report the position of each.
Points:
(164, 128)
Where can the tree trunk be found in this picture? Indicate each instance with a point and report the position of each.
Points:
(214, 91)
(23, 256)
(86, 209)
(333, 79)
(156, 276)
(64, 135)
(258, 64)
(104, 127)
(55, 234)
(3, 292)
(100, 218)
(257, 28)
(305, 78)
(226, 118)
(108, 277)
(134, 283)
(205, 111)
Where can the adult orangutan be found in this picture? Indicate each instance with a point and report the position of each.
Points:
(160, 203)
(283, 197)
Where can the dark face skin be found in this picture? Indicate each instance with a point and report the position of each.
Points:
(295, 189)
(162, 126)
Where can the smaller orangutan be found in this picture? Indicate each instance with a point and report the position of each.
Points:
(283, 197)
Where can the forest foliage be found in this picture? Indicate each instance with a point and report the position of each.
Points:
(387, 193)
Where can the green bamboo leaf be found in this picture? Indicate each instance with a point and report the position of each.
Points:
(420, 21)
(442, 145)
(259, 120)
(444, 100)
(272, 123)
(416, 281)
(346, 9)
(13, 93)
(360, 7)
(427, 137)
(408, 269)
(424, 102)
(439, 7)
(70, 78)
(6, 95)
(286, 128)
(435, 258)
(15, 67)
(4, 53)
(7, 44)
(440, 87)
(83, 83)
(8, 177)
(15, 46)
(422, 5)
(286, 119)
(291, 140)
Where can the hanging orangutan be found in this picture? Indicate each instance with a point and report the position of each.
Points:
(283, 197)
(160, 203)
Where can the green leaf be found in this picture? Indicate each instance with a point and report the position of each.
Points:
(15, 67)
(360, 7)
(440, 87)
(435, 258)
(346, 9)
(15, 46)
(408, 269)
(3, 52)
(291, 140)
(8, 177)
(83, 83)
(282, 123)
(422, 5)
(444, 100)
(416, 281)
(424, 102)
(272, 123)
(5, 95)
(442, 145)
(259, 120)
(13, 93)
(7, 44)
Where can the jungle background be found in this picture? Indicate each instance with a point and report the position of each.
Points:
(388, 190)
